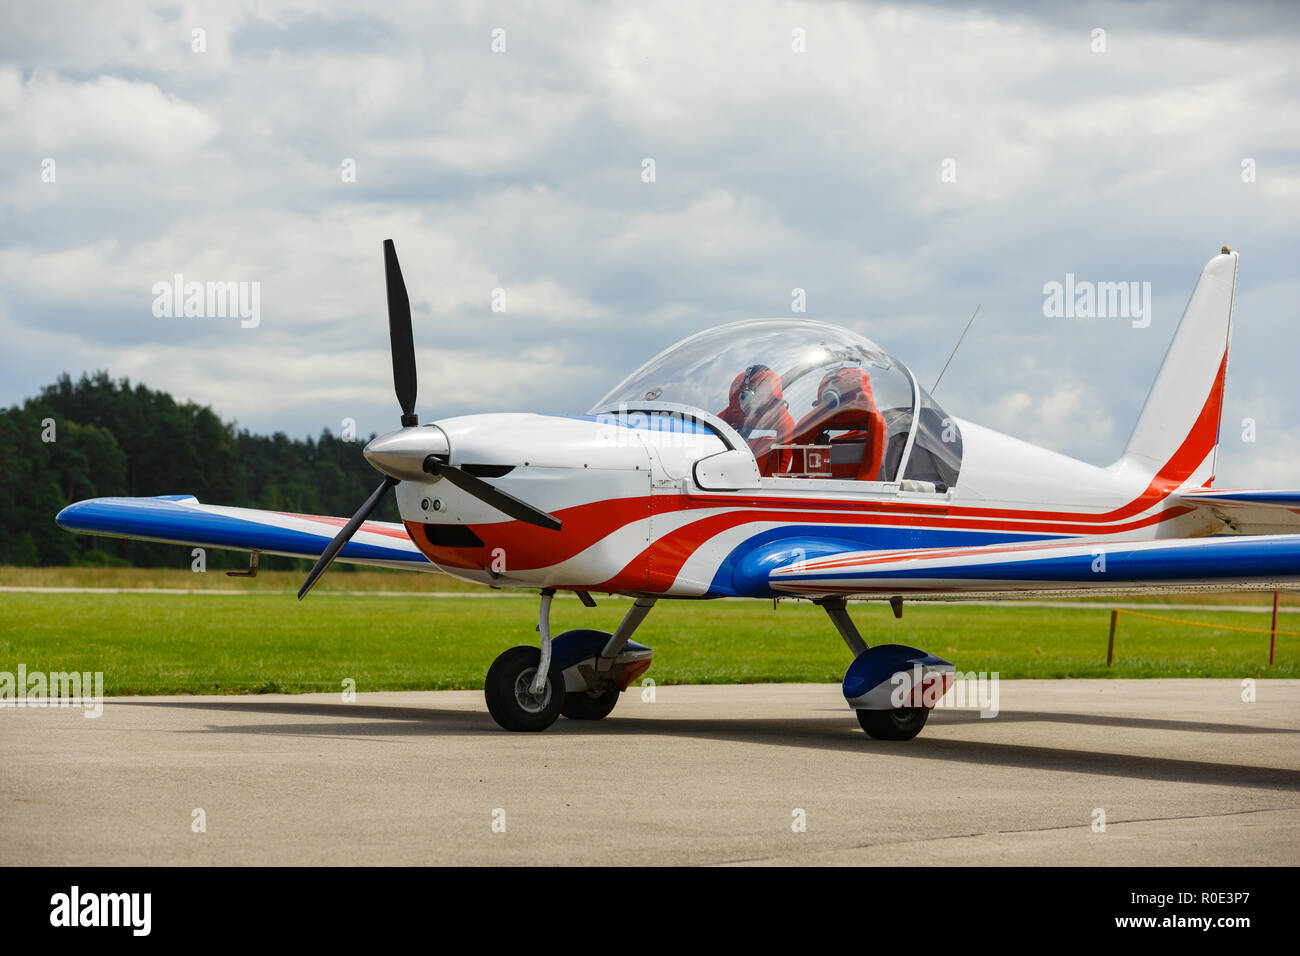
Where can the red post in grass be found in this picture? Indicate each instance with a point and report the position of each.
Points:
(1272, 640)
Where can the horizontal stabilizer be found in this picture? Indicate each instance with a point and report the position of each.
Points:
(1248, 510)
(1252, 497)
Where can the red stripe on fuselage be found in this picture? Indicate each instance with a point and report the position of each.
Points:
(668, 554)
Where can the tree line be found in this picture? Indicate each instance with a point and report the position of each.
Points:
(97, 437)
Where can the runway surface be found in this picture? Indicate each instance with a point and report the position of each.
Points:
(1184, 771)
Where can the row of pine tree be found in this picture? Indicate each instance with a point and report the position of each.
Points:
(114, 438)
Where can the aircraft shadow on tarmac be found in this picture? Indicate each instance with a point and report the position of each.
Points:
(835, 731)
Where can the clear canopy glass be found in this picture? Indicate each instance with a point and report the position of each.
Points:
(811, 398)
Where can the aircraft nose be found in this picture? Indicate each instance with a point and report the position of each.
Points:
(401, 453)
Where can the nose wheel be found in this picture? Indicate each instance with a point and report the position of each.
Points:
(513, 699)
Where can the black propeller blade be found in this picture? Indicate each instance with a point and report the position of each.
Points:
(402, 344)
(345, 534)
(399, 335)
(503, 501)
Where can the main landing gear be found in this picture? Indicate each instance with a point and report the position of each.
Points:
(891, 687)
(581, 673)
(578, 674)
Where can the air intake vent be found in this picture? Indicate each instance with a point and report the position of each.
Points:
(488, 471)
(452, 536)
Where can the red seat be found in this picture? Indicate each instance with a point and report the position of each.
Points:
(770, 414)
(762, 448)
(854, 409)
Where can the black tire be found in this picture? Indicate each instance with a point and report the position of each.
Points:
(903, 723)
(580, 705)
(506, 691)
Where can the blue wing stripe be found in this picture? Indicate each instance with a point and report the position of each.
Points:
(169, 520)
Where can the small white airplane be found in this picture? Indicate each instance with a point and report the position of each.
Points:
(775, 458)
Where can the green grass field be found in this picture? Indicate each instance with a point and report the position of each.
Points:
(265, 641)
(352, 578)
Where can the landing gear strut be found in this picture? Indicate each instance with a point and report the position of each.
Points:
(579, 674)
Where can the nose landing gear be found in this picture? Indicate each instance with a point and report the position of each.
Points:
(511, 699)
(579, 674)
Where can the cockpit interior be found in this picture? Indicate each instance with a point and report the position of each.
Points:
(813, 401)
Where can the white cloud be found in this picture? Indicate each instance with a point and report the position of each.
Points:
(775, 170)
(1066, 417)
(108, 116)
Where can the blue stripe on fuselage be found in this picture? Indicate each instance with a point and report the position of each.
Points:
(823, 540)
(1207, 559)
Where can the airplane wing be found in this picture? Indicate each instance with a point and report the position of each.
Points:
(818, 569)
(1248, 510)
(181, 519)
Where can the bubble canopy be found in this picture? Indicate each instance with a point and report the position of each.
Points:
(813, 400)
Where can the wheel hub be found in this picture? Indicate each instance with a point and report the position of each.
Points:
(524, 695)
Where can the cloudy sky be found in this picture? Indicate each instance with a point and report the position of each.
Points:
(521, 169)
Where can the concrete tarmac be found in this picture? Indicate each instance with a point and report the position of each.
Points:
(1181, 771)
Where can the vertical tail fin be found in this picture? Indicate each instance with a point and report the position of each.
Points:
(1177, 434)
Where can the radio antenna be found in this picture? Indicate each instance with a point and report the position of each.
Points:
(969, 322)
